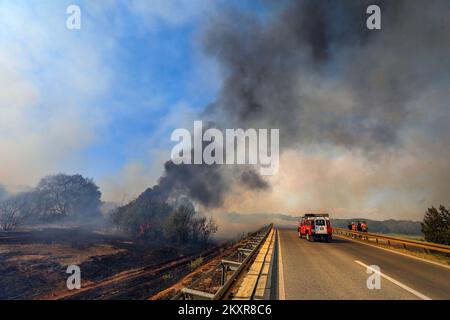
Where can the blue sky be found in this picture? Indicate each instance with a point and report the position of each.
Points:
(102, 100)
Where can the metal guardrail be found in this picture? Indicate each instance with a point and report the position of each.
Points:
(389, 240)
(237, 267)
(256, 283)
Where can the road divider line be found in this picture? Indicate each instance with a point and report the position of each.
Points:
(281, 291)
(398, 283)
(394, 251)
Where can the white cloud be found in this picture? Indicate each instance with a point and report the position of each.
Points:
(52, 79)
(49, 79)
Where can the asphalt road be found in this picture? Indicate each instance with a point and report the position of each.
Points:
(338, 270)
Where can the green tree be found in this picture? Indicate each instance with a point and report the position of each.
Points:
(436, 225)
(151, 217)
(68, 196)
(144, 216)
(177, 225)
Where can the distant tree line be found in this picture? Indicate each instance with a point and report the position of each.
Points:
(75, 199)
(57, 198)
(151, 217)
(436, 225)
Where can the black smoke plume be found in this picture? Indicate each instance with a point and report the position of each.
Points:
(313, 70)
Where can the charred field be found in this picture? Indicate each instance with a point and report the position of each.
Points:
(33, 264)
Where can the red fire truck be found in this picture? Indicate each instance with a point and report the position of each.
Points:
(315, 226)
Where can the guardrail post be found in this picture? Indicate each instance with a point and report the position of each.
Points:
(224, 274)
(242, 253)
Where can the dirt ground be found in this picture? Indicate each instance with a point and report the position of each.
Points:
(33, 263)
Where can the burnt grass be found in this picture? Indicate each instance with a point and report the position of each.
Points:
(24, 277)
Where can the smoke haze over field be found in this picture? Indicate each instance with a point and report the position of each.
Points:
(363, 115)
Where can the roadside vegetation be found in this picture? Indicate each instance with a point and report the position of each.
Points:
(152, 217)
(56, 199)
(436, 225)
(74, 200)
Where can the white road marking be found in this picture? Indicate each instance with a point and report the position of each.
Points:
(398, 283)
(281, 292)
(394, 251)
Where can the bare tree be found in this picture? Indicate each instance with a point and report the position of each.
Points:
(196, 228)
(209, 227)
(11, 213)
